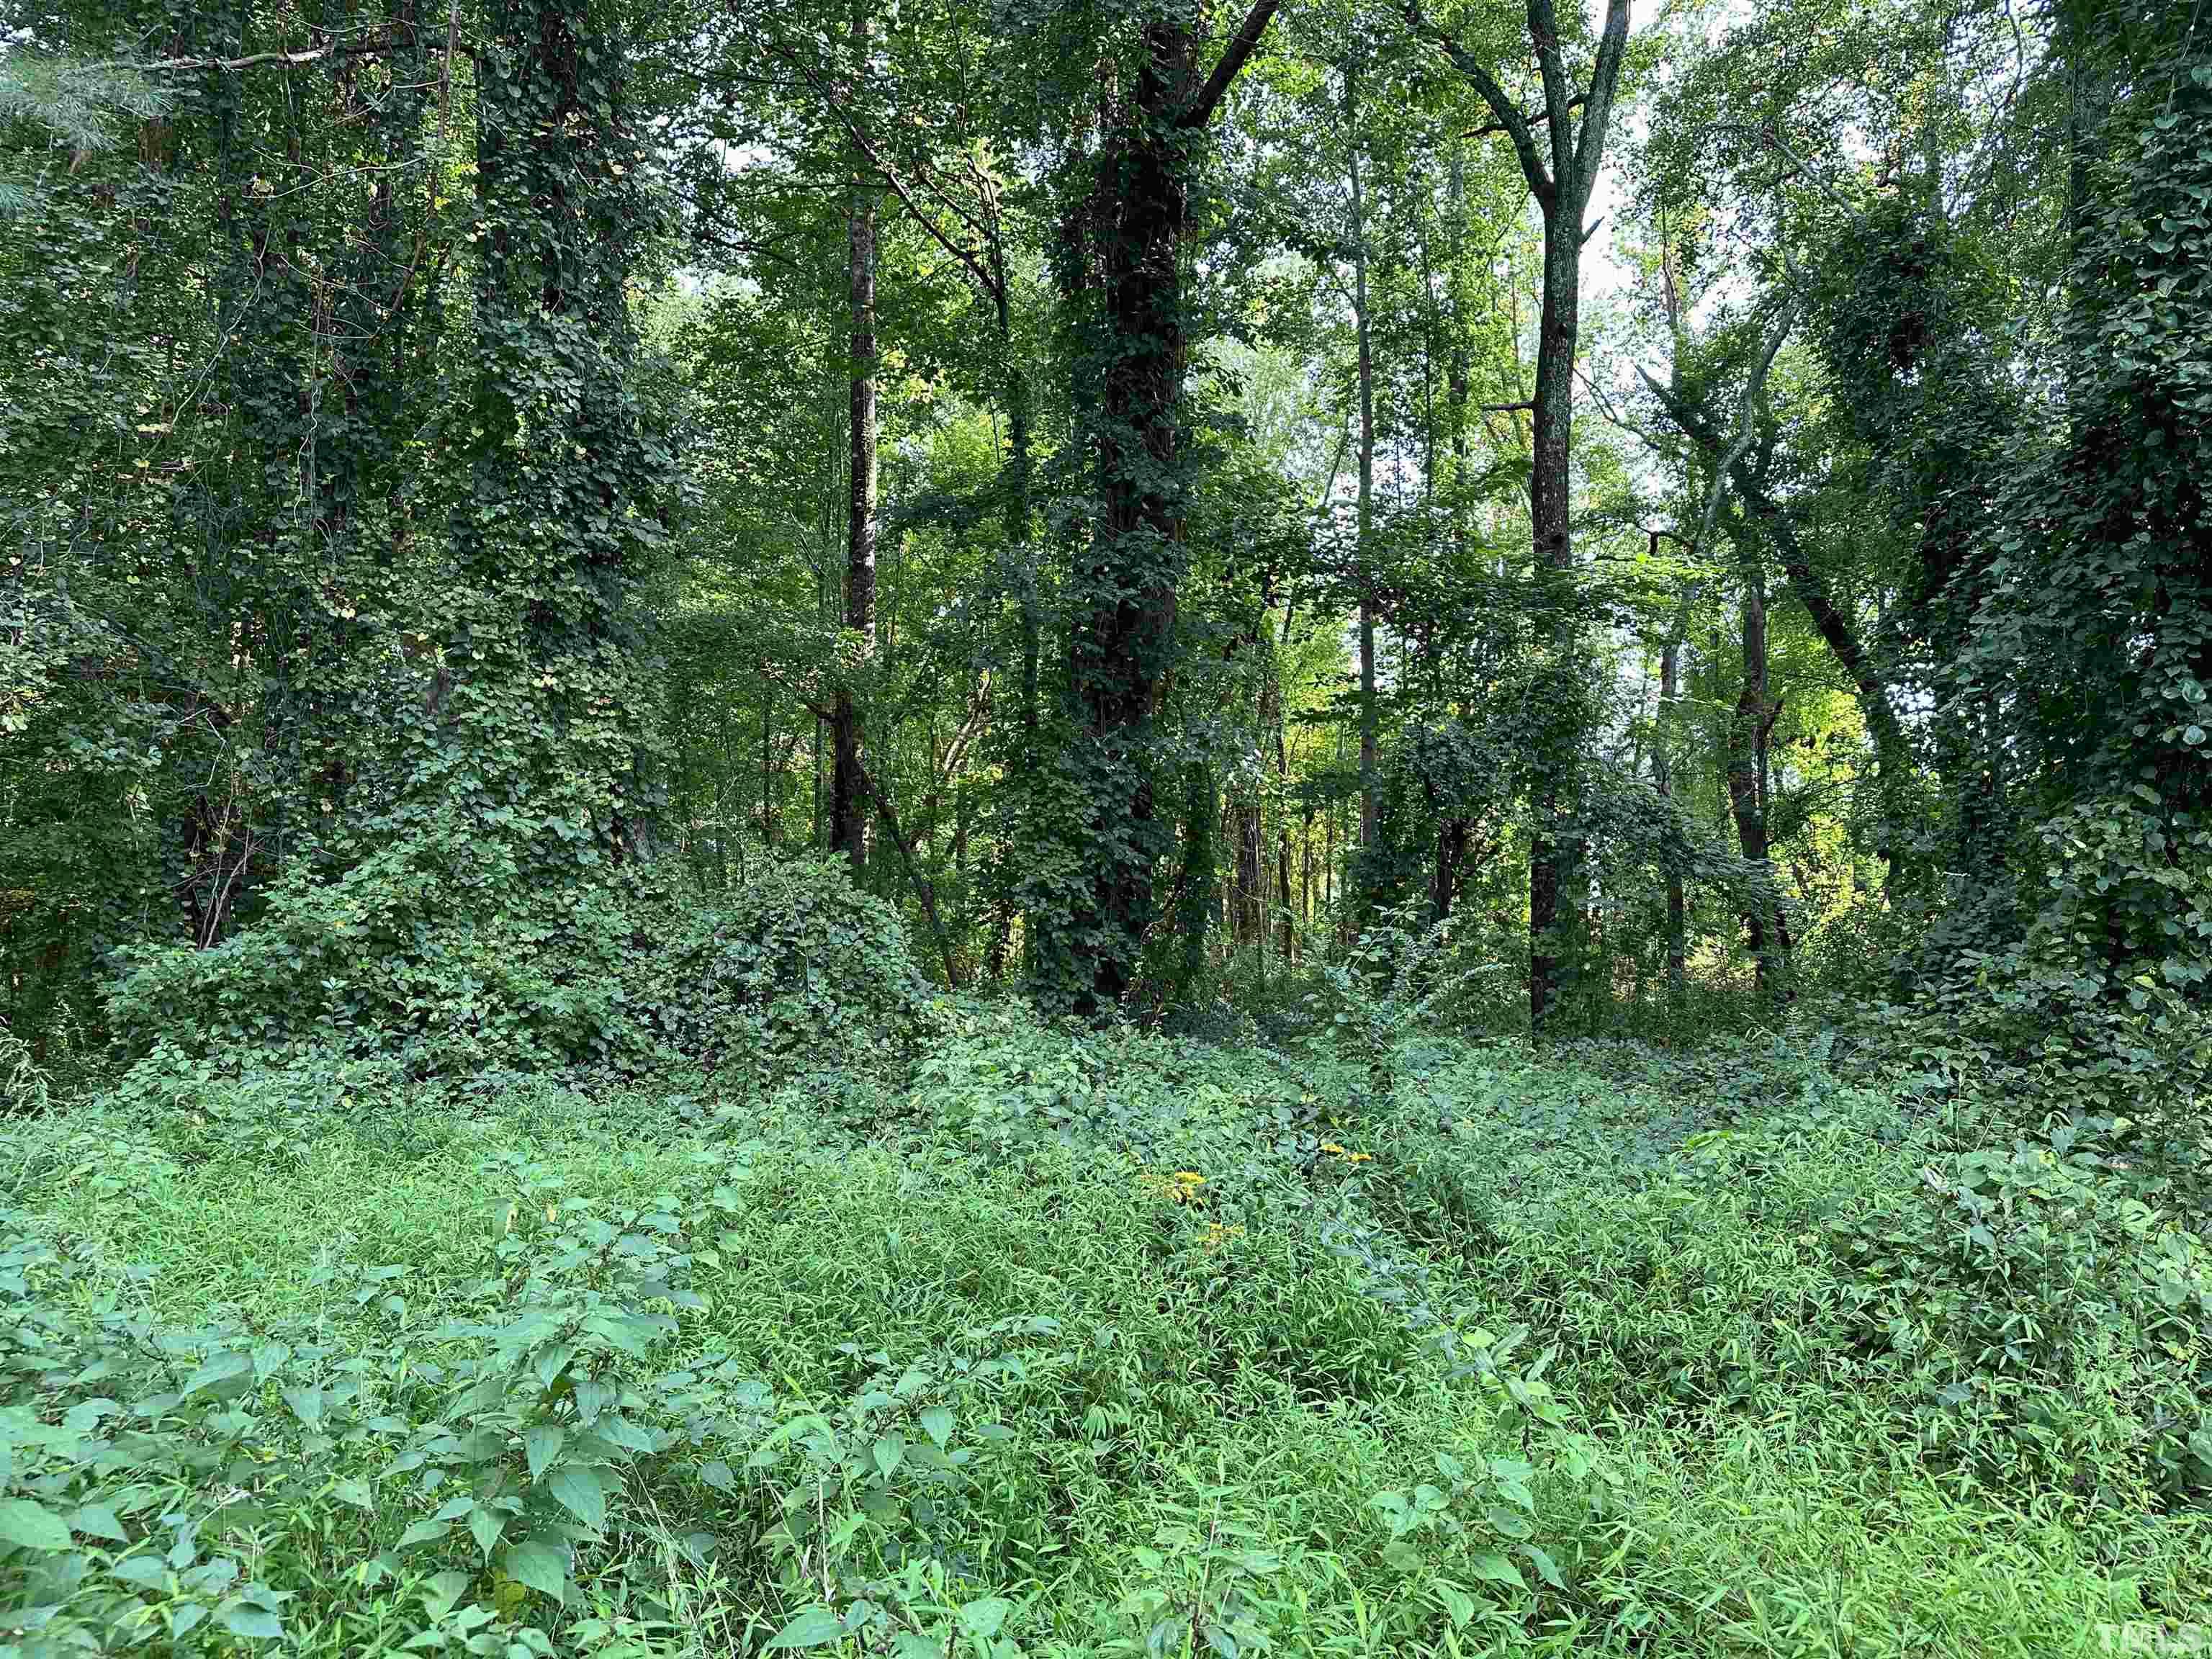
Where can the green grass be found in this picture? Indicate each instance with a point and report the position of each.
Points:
(1282, 1408)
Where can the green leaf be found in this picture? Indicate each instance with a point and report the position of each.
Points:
(423, 1532)
(306, 1405)
(936, 1423)
(446, 1588)
(983, 1617)
(541, 1565)
(889, 1453)
(31, 1525)
(553, 1361)
(576, 1488)
(1546, 1569)
(241, 1619)
(353, 1492)
(147, 1571)
(224, 1373)
(1458, 1605)
(1498, 1570)
(99, 1521)
(542, 1445)
(485, 1525)
(811, 1629)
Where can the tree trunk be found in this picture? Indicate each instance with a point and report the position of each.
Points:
(1662, 779)
(1551, 422)
(1250, 900)
(1562, 190)
(848, 803)
(1126, 274)
(1370, 724)
(1126, 579)
(1743, 791)
(767, 772)
(1452, 866)
(1283, 919)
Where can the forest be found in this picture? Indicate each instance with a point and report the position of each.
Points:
(1045, 829)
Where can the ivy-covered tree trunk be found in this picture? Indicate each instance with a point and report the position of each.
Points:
(1127, 580)
(1127, 574)
(543, 729)
(1746, 803)
(848, 795)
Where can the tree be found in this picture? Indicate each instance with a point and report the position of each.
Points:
(1128, 276)
(849, 794)
(1562, 188)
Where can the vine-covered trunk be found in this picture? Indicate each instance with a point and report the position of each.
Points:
(1122, 277)
(1746, 804)
(563, 481)
(849, 794)
(1127, 576)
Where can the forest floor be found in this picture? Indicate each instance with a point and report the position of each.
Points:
(1058, 1345)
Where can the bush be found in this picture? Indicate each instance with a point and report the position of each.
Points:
(396, 968)
(796, 965)
(413, 956)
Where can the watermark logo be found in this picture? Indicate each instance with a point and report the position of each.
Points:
(2148, 1638)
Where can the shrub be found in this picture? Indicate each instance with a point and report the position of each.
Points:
(412, 955)
(395, 967)
(798, 964)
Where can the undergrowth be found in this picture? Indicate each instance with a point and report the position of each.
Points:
(1067, 1342)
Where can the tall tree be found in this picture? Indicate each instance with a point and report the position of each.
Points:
(1364, 349)
(848, 795)
(1562, 186)
(1133, 226)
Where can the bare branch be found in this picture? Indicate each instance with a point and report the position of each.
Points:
(192, 65)
(970, 259)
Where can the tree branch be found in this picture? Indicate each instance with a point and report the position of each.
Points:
(1493, 129)
(1508, 112)
(1544, 35)
(190, 65)
(1834, 628)
(1605, 81)
(1242, 45)
(969, 259)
